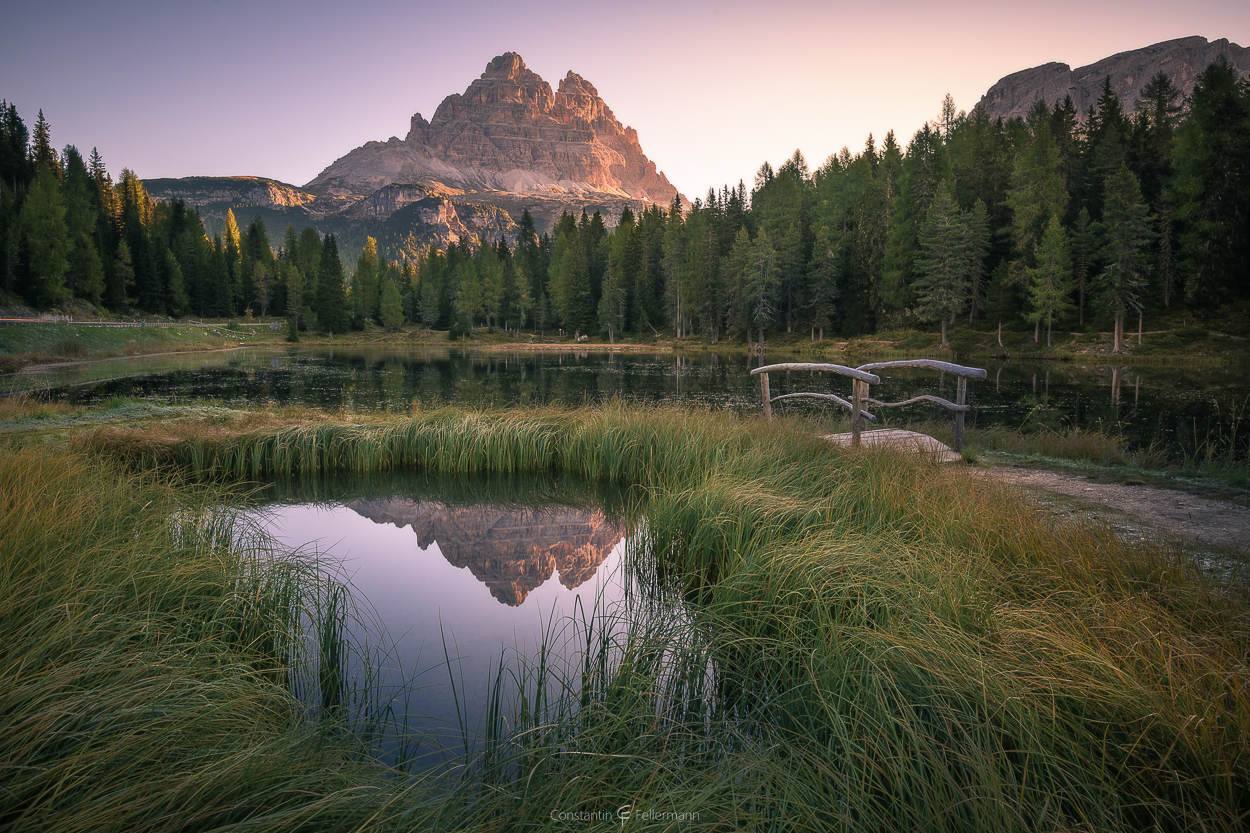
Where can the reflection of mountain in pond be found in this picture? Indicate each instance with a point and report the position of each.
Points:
(510, 550)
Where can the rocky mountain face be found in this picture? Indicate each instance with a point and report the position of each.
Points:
(509, 132)
(1183, 59)
(508, 144)
(510, 550)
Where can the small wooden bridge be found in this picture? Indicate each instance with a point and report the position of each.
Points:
(861, 378)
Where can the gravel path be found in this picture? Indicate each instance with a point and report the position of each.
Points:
(1212, 521)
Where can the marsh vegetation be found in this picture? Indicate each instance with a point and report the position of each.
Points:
(872, 642)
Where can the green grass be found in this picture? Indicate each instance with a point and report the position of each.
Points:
(74, 342)
(149, 664)
(836, 639)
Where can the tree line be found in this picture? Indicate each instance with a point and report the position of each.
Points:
(1053, 220)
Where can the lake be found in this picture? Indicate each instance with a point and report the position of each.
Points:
(1174, 407)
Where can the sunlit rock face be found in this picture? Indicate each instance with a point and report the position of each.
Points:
(507, 145)
(510, 550)
(510, 132)
(1182, 59)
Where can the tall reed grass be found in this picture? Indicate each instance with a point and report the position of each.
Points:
(869, 642)
(149, 665)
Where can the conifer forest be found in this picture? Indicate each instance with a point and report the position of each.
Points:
(1061, 219)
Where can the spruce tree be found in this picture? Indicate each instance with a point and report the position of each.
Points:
(294, 280)
(392, 308)
(85, 276)
(762, 281)
(1050, 281)
(1082, 243)
(1126, 234)
(365, 285)
(944, 262)
(43, 155)
(46, 238)
(1211, 192)
(332, 312)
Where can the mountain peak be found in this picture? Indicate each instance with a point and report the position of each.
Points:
(508, 131)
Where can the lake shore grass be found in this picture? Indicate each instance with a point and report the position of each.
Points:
(1178, 339)
(873, 642)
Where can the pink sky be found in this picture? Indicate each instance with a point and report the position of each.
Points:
(281, 89)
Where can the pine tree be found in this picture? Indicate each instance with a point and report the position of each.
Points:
(332, 311)
(178, 300)
(43, 155)
(977, 228)
(674, 254)
(85, 276)
(15, 168)
(1050, 281)
(1082, 250)
(46, 238)
(123, 269)
(944, 263)
(762, 281)
(294, 280)
(365, 285)
(466, 294)
(1037, 189)
(392, 308)
(1126, 235)
(824, 279)
(1211, 192)
(612, 303)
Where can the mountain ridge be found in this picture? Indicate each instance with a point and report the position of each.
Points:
(1183, 59)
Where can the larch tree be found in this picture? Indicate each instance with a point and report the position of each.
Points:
(392, 308)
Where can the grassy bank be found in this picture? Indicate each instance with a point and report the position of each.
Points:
(22, 345)
(149, 664)
(1187, 340)
(873, 643)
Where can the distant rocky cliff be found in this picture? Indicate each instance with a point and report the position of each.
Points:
(1183, 60)
(509, 132)
(507, 145)
(510, 550)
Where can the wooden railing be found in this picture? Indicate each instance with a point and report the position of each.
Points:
(862, 376)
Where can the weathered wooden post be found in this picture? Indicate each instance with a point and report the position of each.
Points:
(768, 402)
(859, 392)
(961, 399)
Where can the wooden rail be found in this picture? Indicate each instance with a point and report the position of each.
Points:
(862, 376)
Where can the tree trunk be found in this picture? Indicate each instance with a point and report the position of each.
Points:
(944, 345)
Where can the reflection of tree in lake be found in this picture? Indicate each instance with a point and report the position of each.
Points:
(510, 550)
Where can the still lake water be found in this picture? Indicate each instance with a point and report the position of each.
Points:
(1174, 407)
(458, 576)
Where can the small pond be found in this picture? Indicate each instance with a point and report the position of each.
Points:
(452, 577)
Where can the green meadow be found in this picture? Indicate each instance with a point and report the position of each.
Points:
(870, 642)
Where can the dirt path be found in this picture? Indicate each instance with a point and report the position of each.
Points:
(1218, 522)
